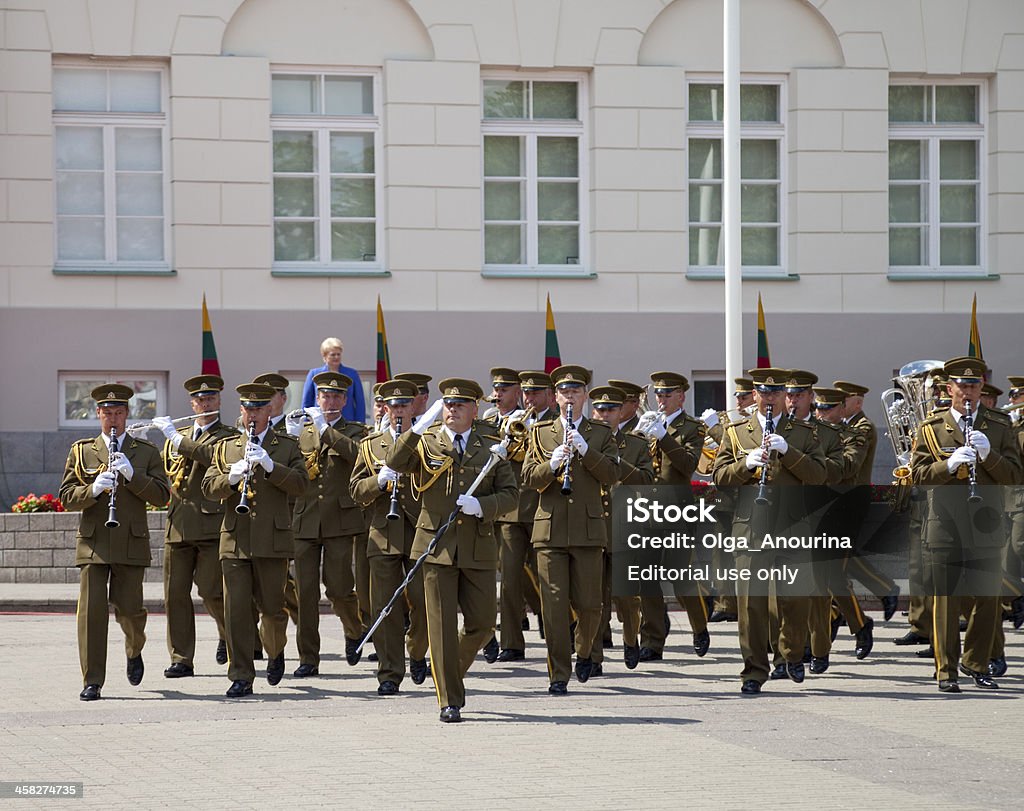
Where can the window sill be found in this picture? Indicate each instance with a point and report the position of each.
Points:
(120, 269)
(933, 275)
(535, 273)
(301, 271)
(710, 274)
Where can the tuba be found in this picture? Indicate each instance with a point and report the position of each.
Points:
(905, 407)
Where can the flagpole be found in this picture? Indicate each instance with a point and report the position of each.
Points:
(731, 191)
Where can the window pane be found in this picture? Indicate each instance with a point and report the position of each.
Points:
(910, 103)
(558, 201)
(558, 245)
(908, 160)
(294, 95)
(759, 203)
(759, 159)
(79, 148)
(79, 405)
(958, 246)
(705, 159)
(956, 104)
(759, 102)
(348, 95)
(504, 245)
(958, 204)
(958, 160)
(353, 197)
(84, 90)
(140, 239)
(136, 91)
(140, 194)
(706, 102)
(80, 238)
(907, 246)
(138, 149)
(503, 156)
(760, 246)
(908, 204)
(705, 245)
(352, 152)
(503, 201)
(554, 100)
(294, 197)
(504, 99)
(294, 151)
(80, 193)
(353, 241)
(705, 203)
(294, 242)
(557, 157)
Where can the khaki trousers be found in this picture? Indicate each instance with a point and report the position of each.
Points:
(386, 574)
(331, 559)
(246, 580)
(186, 562)
(119, 585)
(570, 578)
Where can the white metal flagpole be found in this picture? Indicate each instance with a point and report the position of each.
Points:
(731, 192)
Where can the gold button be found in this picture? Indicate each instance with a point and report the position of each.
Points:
(461, 482)
(570, 501)
(459, 521)
(607, 514)
(320, 497)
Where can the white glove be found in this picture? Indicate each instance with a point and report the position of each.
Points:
(293, 425)
(257, 454)
(755, 459)
(386, 475)
(710, 417)
(518, 414)
(961, 456)
(385, 422)
(237, 471)
(319, 422)
(558, 457)
(659, 428)
(165, 426)
(579, 442)
(123, 466)
(137, 431)
(499, 450)
(776, 442)
(470, 506)
(981, 444)
(429, 417)
(104, 482)
(647, 419)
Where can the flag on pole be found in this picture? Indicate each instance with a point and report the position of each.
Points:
(763, 360)
(974, 342)
(552, 357)
(383, 358)
(210, 365)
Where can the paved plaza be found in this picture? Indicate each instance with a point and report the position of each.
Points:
(671, 734)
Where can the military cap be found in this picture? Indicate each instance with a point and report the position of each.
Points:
(769, 378)
(799, 380)
(828, 398)
(460, 388)
(991, 391)
(744, 385)
(608, 396)
(504, 376)
(112, 394)
(254, 395)
(570, 375)
(376, 392)
(534, 381)
(203, 384)
(332, 381)
(397, 392)
(417, 379)
(1016, 384)
(272, 379)
(851, 388)
(667, 382)
(627, 388)
(965, 370)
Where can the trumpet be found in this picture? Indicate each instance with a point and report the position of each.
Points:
(242, 508)
(393, 513)
(567, 465)
(112, 509)
(149, 426)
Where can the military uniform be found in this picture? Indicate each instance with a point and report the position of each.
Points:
(112, 560)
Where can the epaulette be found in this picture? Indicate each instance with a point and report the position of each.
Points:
(831, 426)
(935, 418)
(141, 441)
(997, 416)
(734, 423)
(374, 435)
(545, 421)
(637, 434)
(83, 440)
(488, 435)
(294, 439)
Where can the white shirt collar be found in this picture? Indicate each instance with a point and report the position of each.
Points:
(451, 435)
(575, 423)
(669, 419)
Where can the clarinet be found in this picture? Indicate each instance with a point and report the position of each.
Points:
(762, 484)
(243, 506)
(972, 470)
(112, 509)
(393, 513)
(567, 466)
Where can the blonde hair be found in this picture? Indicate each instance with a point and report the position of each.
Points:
(330, 343)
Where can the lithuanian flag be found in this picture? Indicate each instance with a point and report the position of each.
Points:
(210, 365)
(383, 358)
(974, 342)
(763, 360)
(552, 357)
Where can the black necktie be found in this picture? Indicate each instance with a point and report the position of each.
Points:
(458, 446)
(196, 433)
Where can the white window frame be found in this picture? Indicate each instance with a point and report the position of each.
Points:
(934, 134)
(322, 126)
(109, 122)
(63, 378)
(752, 131)
(530, 129)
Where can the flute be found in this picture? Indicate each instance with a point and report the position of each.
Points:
(148, 426)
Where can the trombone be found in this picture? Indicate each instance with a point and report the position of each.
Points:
(149, 426)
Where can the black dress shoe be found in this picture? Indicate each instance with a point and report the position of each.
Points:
(558, 688)
(648, 655)
(807, 655)
(584, 667)
(179, 670)
(981, 680)
(450, 715)
(352, 656)
(865, 639)
(372, 657)
(275, 669)
(631, 656)
(949, 686)
(222, 652)
(418, 670)
(751, 687)
(607, 642)
(701, 642)
(257, 654)
(925, 653)
(387, 688)
(911, 638)
(526, 623)
(795, 671)
(511, 655)
(540, 626)
(890, 602)
(836, 624)
(997, 667)
(819, 664)
(135, 670)
(239, 688)
(597, 670)
(90, 693)
(778, 672)
(722, 616)
(491, 651)
(1017, 612)
(304, 671)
